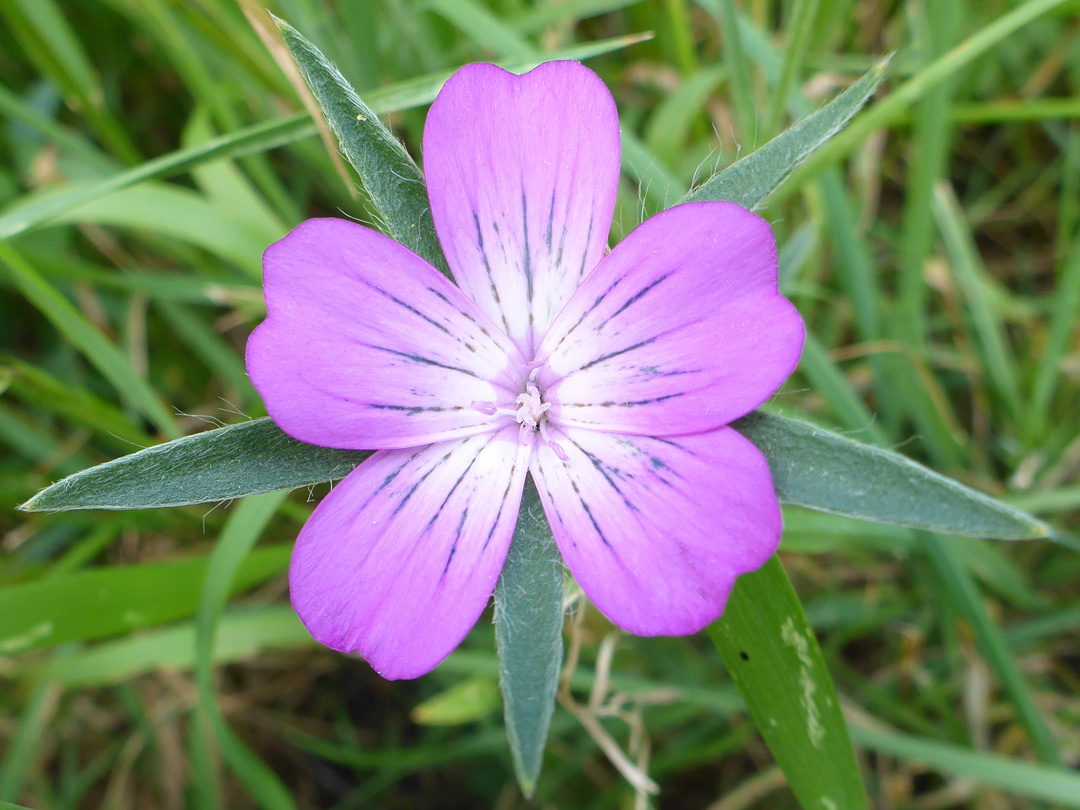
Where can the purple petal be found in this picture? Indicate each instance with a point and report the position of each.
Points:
(656, 530)
(367, 346)
(398, 561)
(680, 329)
(522, 173)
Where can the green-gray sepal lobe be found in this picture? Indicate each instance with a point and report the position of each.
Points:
(753, 178)
(773, 656)
(823, 470)
(528, 637)
(811, 466)
(389, 174)
(215, 465)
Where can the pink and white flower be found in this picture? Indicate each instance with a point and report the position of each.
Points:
(611, 379)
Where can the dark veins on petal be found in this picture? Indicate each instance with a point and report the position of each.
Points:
(413, 410)
(625, 404)
(638, 296)
(527, 258)
(599, 299)
(626, 305)
(446, 500)
(654, 371)
(585, 252)
(453, 547)
(390, 479)
(423, 478)
(409, 307)
(550, 225)
(410, 493)
(588, 511)
(562, 244)
(603, 469)
(453, 489)
(487, 265)
(652, 400)
(505, 495)
(462, 313)
(617, 352)
(416, 358)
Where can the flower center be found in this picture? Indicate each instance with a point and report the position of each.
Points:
(530, 412)
(532, 408)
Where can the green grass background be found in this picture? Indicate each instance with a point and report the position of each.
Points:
(933, 249)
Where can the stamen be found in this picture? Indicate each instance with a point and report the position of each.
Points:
(545, 433)
(556, 448)
(486, 408)
(525, 434)
(534, 368)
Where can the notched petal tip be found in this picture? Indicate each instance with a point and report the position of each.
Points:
(522, 173)
(680, 329)
(367, 346)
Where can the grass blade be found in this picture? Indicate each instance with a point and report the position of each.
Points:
(101, 353)
(483, 27)
(998, 364)
(1015, 776)
(1063, 325)
(935, 26)
(246, 141)
(255, 139)
(992, 644)
(16, 108)
(240, 534)
(896, 104)
(741, 84)
(803, 18)
(50, 394)
(103, 602)
(43, 30)
(241, 634)
(826, 378)
(218, 355)
(774, 658)
(536, 19)
(20, 758)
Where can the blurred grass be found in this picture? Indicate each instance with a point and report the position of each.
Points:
(934, 251)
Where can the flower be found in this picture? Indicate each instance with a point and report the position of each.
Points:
(611, 379)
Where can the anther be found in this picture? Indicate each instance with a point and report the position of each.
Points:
(486, 408)
(556, 448)
(534, 368)
(525, 434)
